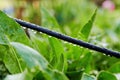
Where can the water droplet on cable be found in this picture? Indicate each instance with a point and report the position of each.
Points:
(24, 27)
(108, 55)
(74, 45)
(65, 42)
(49, 36)
(35, 32)
(104, 54)
(40, 32)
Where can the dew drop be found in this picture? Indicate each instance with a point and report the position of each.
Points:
(104, 54)
(108, 55)
(49, 36)
(81, 47)
(35, 32)
(24, 27)
(40, 32)
(74, 45)
(65, 42)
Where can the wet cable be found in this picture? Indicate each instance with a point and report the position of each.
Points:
(67, 38)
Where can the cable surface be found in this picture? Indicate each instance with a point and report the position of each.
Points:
(67, 38)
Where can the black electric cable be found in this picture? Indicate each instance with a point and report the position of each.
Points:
(67, 38)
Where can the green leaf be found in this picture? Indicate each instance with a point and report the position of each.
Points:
(26, 75)
(40, 44)
(48, 20)
(4, 49)
(85, 60)
(57, 46)
(54, 75)
(33, 59)
(115, 68)
(87, 77)
(74, 75)
(88, 26)
(12, 62)
(57, 51)
(3, 37)
(82, 63)
(30, 56)
(11, 31)
(104, 75)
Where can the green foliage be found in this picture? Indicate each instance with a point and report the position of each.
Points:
(87, 77)
(43, 57)
(104, 75)
(31, 57)
(48, 17)
(58, 57)
(15, 34)
(115, 68)
(21, 76)
(17, 56)
(88, 26)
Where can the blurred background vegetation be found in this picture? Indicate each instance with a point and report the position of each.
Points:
(68, 17)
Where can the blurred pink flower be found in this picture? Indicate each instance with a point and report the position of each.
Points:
(108, 4)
